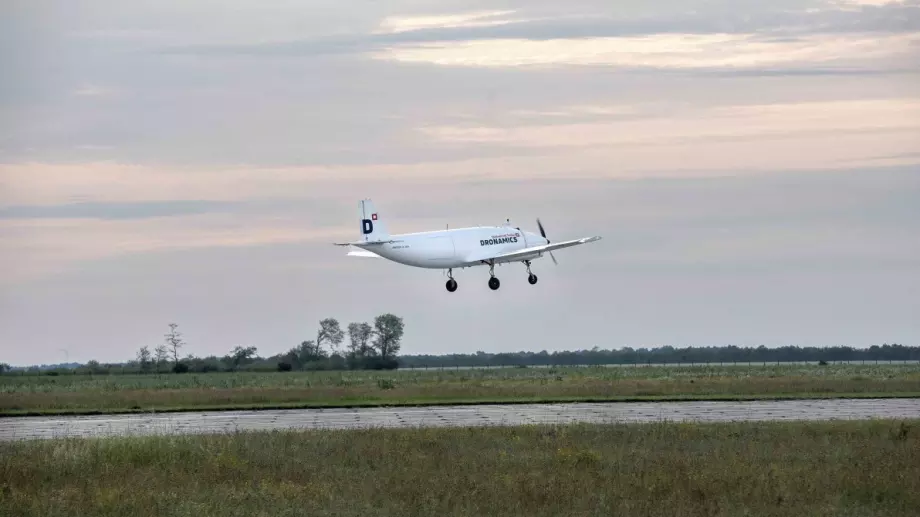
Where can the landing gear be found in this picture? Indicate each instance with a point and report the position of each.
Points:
(532, 278)
(493, 282)
(451, 283)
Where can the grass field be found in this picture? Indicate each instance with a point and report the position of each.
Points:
(119, 393)
(764, 469)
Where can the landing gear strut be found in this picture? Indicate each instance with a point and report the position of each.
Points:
(493, 282)
(451, 283)
(532, 278)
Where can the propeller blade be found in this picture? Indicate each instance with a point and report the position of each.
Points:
(543, 233)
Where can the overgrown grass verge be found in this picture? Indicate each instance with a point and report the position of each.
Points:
(661, 469)
(137, 393)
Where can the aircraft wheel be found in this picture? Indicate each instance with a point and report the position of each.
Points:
(494, 283)
(451, 285)
(532, 278)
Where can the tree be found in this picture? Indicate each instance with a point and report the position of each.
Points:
(302, 354)
(174, 342)
(329, 331)
(143, 358)
(5, 368)
(309, 351)
(159, 356)
(388, 330)
(241, 355)
(359, 335)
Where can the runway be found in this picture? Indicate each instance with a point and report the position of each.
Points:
(20, 428)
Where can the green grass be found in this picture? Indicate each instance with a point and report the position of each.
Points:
(764, 469)
(169, 392)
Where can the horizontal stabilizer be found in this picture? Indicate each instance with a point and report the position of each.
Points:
(365, 243)
(363, 253)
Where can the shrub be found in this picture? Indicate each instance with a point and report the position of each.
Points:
(385, 384)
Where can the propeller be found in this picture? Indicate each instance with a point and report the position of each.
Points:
(543, 233)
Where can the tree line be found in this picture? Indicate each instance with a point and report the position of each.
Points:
(666, 354)
(376, 346)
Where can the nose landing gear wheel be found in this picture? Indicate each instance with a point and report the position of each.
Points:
(451, 285)
(494, 283)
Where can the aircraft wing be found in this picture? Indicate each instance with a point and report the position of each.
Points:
(544, 248)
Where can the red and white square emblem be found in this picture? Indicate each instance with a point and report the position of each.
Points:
(374, 216)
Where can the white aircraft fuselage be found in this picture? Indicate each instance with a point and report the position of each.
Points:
(457, 247)
(450, 249)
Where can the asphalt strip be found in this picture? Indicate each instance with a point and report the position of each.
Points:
(21, 428)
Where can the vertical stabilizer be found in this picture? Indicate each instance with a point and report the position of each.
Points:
(372, 226)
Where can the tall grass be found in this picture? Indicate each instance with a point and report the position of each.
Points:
(112, 393)
(764, 469)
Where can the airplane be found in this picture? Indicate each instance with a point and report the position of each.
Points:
(455, 248)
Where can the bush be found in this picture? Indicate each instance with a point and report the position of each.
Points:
(385, 384)
(284, 366)
(336, 362)
(379, 363)
(180, 368)
(205, 367)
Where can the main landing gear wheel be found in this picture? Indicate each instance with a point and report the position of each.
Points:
(494, 283)
(532, 278)
(451, 283)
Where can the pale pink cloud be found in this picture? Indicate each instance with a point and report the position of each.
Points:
(659, 50)
(791, 119)
(39, 247)
(397, 24)
(657, 139)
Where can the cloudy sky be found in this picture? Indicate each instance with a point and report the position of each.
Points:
(753, 168)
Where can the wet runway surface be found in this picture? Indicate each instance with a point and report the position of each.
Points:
(17, 428)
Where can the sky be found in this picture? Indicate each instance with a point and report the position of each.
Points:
(753, 168)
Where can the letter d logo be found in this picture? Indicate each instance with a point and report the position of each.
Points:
(366, 226)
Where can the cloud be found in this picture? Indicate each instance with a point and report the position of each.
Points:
(680, 51)
(856, 5)
(137, 210)
(784, 21)
(397, 24)
(39, 247)
(91, 90)
(675, 123)
(650, 139)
